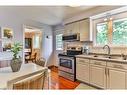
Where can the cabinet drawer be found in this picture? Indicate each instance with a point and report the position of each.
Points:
(82, 60)
(117, 65)
(98, 62)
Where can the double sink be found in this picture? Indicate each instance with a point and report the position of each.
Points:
(109, 57)
(114, 58)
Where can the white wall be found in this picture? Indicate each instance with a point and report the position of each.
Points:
(56, 30)
(7, 19)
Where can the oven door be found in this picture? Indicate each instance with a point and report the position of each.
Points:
(66, 64)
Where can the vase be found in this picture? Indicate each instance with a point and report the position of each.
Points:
(16, 64)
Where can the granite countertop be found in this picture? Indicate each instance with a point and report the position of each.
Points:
(118, 59)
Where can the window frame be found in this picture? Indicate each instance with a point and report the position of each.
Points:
(57, 43)
(34, 41)
(119, 16)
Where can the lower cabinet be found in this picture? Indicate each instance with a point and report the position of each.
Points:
(82, 70)
(97, 76)
(116, 79)
(105, 75)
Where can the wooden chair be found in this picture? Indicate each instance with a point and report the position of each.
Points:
(41, 62)
(30, 82)
(32, 58)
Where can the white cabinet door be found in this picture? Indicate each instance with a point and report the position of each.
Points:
(82, 69)
(84, 30)
(116, 79)
(69, 28)
(98, 76)
(76, 27)
(82, 72)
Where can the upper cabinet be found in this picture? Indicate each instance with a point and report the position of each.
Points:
(81, 27)
(76, 27)
(84, 30)
(69, 28)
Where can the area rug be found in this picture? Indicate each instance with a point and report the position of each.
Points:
(83, 86)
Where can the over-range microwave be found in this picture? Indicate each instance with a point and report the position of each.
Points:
(71, 37)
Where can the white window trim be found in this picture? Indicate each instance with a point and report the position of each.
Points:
(56, 43)
(92, 27)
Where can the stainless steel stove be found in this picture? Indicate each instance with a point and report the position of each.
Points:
(67, 63)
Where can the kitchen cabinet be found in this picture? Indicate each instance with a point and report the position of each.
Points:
(81, 27)
(76, 27)
(102, 74)
(116, 76)
(116, 79)
(69, 29)
(82, 69)
(97, 74)
(84, 30)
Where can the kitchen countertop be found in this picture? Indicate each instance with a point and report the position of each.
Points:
(119, 59)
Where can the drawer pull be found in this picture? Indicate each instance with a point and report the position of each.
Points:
(118, 66)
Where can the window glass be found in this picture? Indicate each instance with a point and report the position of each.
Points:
(59, 42)
(36, 41)
(102, 34)
(120, 32)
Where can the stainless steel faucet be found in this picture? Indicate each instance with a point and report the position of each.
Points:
(108, 48)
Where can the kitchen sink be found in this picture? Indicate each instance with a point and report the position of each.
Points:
(108, 57)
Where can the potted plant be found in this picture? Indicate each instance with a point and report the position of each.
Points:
(16, 61)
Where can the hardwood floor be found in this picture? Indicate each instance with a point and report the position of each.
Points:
(58, 82)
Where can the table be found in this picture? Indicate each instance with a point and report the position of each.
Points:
(6, 73)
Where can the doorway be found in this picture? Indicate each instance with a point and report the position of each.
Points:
(32, 44)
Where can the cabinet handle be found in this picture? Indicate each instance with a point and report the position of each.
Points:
(118, 66)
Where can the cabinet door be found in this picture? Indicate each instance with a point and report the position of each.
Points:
(82, 72)
(66, 29)
(76, 27)
(84, 30)
(69, 28)
(98, 76)
(116, 79)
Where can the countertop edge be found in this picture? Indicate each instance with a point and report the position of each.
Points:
(102, 59)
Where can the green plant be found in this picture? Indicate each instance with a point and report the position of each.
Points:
(15, 49)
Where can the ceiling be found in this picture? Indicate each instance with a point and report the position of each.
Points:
(50, 15)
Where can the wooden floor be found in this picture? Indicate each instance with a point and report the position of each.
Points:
(58, 82)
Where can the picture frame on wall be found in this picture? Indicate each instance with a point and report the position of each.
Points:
(7, 32)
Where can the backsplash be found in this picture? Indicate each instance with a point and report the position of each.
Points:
(114, 50)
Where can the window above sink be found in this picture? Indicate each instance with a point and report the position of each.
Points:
(110, 29)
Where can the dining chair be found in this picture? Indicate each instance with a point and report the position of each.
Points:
(32, 58)
(42, 62)
(35, 82)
